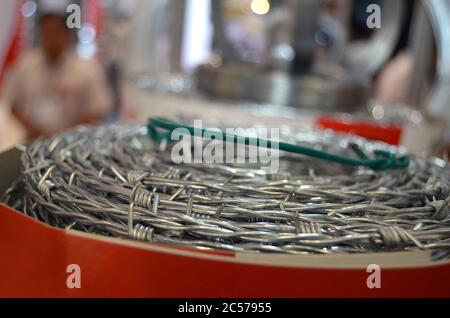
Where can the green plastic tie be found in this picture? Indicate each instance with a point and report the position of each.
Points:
(382, 159)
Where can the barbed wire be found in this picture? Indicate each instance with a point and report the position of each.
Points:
(112, 180)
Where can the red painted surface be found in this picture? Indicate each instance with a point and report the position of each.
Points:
(390, 134)
(92, 14)
(34, 258)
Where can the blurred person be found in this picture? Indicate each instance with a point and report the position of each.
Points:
(394, 80)
(52, 89)
(11, 131)
(394, 83)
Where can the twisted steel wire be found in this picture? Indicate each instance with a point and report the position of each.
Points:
(112, 180)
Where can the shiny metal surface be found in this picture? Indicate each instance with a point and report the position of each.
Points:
(362, 59)
(422, 43)
(349, 91)
(245, 82)
(439, 11)
(156, 38)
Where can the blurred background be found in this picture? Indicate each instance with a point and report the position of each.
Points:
(379, 69)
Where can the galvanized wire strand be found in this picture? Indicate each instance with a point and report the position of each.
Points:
(114, 181)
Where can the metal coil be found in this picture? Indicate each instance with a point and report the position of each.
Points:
(305, 227)
(143, 198)
(133, 177)
(393, 237)
(142, 233)
(112, 180)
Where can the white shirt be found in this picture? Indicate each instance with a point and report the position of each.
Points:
(11, 131)
(56, 97)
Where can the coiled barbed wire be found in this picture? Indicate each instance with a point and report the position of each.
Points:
(112, 180)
